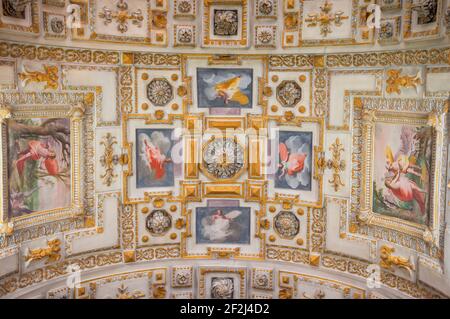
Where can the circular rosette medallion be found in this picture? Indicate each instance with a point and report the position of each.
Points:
(286, 224)
(265, 7)
(159, 92)
(289, 93)
(222, 288)
(158, 222)
(223, 158)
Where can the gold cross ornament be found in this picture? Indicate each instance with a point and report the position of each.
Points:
(325, 18)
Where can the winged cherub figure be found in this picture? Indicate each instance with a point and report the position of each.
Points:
(229, 91)
(403, 163)
(155, 149)
(220, 227)
(293, 161)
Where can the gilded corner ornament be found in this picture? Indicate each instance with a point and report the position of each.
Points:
(6, 228)
(5, 113)
(77, 111)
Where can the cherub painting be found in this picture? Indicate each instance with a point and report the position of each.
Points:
(224, 87)
(223, 225)
(402, 171)
(38, 165)
(294, 160)
(154, 158)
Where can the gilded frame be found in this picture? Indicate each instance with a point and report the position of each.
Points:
(240, 272)
(93, 15)
(33, 28)
(75, 114)
(207, 41)
(317, 173)
(232, 251)
(127, 157)
(342, 41)
(375, 114)
(408, 34)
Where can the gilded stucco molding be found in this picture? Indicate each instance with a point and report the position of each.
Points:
(316, 215)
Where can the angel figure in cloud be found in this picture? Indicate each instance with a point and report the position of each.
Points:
(220, 227)
(227, 88)
(402, 171)
(294, 163)
(154, 153)
(229, 91)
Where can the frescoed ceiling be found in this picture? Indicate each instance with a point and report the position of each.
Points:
(224, 149)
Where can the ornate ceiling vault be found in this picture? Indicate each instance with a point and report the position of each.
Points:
(216, 149)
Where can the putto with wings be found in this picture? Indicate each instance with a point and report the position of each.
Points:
(219, 226)
(222, 225)
(155, 167)
(294, 163)
(406, 174)
(229, 91)
(224, 87)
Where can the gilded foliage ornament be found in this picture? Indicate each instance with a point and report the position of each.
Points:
(49, 76)
(325, 18)
(122, 16)
(124, 293)
(388, 261)
(108, 160)
(396, 81)
(51, 253)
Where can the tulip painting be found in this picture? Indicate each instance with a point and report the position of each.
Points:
(294, 160)
(155, 164)
(38, 165)
(402, 171)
